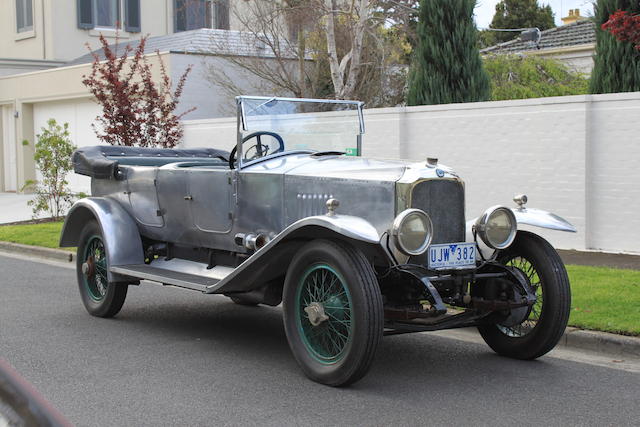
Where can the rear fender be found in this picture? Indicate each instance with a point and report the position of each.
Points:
(120, 233)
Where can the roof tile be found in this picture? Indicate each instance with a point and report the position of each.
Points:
(202, 41)
(574, 34)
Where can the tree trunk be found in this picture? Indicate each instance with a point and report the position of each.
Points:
(356, 48)
(337, 78)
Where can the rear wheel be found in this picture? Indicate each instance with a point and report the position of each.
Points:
(100, 297)
(545, 323)
(333, 312)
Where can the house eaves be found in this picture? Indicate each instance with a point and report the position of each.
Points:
(58, 83)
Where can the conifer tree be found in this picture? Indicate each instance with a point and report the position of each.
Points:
(446, 66)
(617, 63)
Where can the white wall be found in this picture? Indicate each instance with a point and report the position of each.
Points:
(214, 133)
(578, 58)
(207, 95)
(577, 156)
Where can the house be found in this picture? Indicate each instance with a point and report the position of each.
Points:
(572, 43)
(43, 56)
(40, 34)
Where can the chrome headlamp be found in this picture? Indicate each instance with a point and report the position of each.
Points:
(412, 232)
(497, 227)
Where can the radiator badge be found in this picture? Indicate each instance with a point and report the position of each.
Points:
(440, 172)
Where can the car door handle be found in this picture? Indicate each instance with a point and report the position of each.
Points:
(188, 197)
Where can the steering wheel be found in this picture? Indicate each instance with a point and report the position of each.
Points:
(261, 150)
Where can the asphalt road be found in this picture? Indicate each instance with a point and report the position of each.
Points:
(175, 357)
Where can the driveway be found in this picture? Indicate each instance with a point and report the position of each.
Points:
(13, 207)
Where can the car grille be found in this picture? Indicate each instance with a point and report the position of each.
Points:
(443, 200)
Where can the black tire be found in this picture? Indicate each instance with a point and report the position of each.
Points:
(100, 297)
(354, 286)
(534, 338)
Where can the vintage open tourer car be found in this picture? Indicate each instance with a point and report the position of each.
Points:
(353, 248)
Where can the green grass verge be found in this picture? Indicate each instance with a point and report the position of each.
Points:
(45, 234)
(605, 299)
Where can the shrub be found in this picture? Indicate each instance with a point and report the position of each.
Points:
(616, 63)
(519, 77)
(136, 111)
(53, 159)
(625, 27)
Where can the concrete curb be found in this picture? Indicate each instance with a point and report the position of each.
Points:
(601, 342)
(47, 253)
(605, 344)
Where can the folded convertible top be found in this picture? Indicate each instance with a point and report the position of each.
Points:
(102, 161)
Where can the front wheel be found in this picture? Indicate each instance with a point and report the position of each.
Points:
(333, 313)
(547, 319)
(100, 297)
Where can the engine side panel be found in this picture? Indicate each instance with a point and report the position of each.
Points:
(371, 200)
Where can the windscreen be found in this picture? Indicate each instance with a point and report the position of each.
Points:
(317, 125)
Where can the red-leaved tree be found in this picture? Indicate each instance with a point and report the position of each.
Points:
(136, 110)
(625, 27)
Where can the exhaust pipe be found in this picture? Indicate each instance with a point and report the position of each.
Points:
(251, 241)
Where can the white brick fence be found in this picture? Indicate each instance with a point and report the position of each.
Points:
(578, 156)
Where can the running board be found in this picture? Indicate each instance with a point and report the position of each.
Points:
(176, 272)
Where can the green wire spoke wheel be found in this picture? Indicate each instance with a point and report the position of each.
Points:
(323, 313)
(529, 324)
(333, 312)
(100, 297)
(94, 265)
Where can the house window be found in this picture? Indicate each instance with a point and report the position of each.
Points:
(195, 14)
(24, 15)
(221, 14)
(109, 14)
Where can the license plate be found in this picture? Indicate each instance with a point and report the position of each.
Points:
(452, 255)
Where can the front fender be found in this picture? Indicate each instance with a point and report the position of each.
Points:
(119, 231)
(348, 226)
(526, 216)
(273, 258)
(536, 218)
(542, 219)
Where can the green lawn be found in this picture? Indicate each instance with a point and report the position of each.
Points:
(45, 234)
(604, 299)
